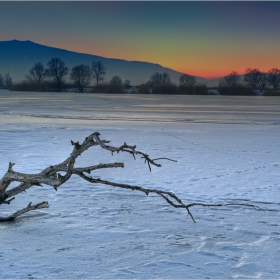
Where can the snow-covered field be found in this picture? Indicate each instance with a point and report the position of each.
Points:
(227, 150)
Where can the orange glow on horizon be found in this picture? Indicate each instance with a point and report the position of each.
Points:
(205, 74)
(205, 66)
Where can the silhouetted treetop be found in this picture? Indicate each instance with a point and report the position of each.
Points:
(256, 79)
(37, 73)
(231, 80)
(159, 79)
(81, 76)
(116, 80)
(99, 71)
(274, 77)
(187, 80)
(57, 70)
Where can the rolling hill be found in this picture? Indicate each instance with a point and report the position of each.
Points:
(17, 57)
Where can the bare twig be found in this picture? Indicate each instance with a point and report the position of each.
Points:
(164, 194)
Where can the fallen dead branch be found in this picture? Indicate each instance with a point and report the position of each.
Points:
(51, 176)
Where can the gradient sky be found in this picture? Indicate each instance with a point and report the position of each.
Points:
(208, 39)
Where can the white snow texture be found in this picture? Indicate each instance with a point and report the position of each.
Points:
(227, 150)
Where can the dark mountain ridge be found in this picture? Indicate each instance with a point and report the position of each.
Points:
(17, 57)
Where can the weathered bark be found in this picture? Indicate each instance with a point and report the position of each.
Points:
(51, 176)
(29, 207)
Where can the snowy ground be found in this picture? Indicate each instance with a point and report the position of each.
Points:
(227, 150)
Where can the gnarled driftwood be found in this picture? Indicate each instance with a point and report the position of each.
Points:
(51, 176)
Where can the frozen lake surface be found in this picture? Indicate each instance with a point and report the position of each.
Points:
(227, 150)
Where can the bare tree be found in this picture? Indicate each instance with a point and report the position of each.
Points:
(274, 78)
(155, 79)
(37, 73)
(144, 89)
(166, 80)
(8, 81)
(81, 76)
(51, 176)
(57, 71)
(159, 79)
(1, 81)
(99, 71)
(252, 77)
(264, 81)
(187, 80)
(127, 83)
(115, 85)
(256, 79)
(230, 80)
(116, 80)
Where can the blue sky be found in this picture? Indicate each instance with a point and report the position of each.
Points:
(208, 39)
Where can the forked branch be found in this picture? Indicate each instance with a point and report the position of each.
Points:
(51, 176)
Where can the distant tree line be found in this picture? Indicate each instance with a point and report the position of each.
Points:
(253, 79)
(160, 83)
(6, 82)
(53, 78)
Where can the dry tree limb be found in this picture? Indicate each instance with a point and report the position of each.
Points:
(29, 207)
(51, 176)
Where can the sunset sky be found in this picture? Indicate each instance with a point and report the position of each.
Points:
(208, 39)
